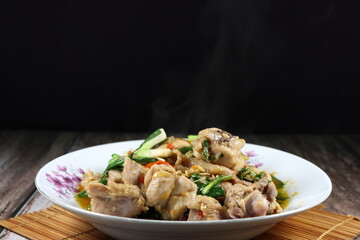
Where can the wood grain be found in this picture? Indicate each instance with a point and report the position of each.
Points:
(22, 154)
(82, 140)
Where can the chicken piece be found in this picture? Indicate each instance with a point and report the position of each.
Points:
(131, 171)
(203, 208)
(253, 200)
(234, 200)
(115, 176)
(158, 183)
(89, 177)
(177, 158)
(183, 186)
(214, 168)
(226, 186)
(274, 208)
(224, 148)
(116, 199)
(175, 143)
(183, 192)
(256, 204)
(267, 188)
(181, 159)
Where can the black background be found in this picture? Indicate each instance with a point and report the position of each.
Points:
(245, 66)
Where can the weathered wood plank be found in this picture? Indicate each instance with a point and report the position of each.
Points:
(22, 154)
(37, 152)
(37, 201)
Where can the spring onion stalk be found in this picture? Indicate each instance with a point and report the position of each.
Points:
(153, 139)
(145, 150)
(192, 137)
(152, 153)
(117, 162)
(206, 150)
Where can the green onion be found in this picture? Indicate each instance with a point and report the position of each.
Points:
(145, 150)
(144, 161)
(243, 170)
(206, 150)
(282, 198)
(259, 176)
(184, 150)
(117, 162)
(278, 183)
(217, 180)
(151, 153)
(153, 139)
(192, 137)
(82, 194)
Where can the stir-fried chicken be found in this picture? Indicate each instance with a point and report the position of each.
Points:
(253, 200)
(214, 168)
(116, 176)
(123, 200)
(131, 171)
(234, 200)
(224, 148)
(159, 182)
(268, 189)
(205, 179)
(89, 177)
(205, 208)
(182, 194)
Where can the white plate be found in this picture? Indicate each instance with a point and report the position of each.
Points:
(58, 179)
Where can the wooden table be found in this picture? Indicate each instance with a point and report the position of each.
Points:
(23, 153)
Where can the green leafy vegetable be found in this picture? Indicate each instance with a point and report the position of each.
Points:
(214, 183)
(278, 183)
(282, 197)
(248, 173)
(82, 194)
(184, 150)
(209, 188)
(117, 162)
(200, 181)
(144, 161)
(242, 171)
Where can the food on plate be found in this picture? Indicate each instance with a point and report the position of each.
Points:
(203, 177)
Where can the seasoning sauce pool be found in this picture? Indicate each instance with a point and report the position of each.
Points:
(83, 202)
(283, 197)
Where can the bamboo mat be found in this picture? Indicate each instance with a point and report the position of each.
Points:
(57, 223)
